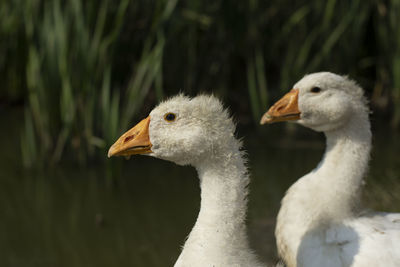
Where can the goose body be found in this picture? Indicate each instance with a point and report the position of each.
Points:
(320, 222)
(199, 132)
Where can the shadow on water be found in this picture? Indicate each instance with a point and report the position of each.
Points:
(73, 216)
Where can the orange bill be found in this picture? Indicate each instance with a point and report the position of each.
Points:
(134, 141)
(286, 109)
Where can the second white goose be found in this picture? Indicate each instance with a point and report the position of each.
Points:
(320, 223)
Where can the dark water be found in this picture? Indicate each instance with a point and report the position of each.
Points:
(74, 216)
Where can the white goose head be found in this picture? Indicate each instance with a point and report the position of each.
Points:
(182, 130)
(322, 101)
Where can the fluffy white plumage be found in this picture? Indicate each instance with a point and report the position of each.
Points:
(203, 135)
(319, 223)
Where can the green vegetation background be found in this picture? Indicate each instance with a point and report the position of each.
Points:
(87, 70)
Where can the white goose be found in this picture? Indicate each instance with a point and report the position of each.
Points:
(199, 132)
(319, 223)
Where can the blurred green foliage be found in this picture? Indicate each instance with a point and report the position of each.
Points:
(86, 68)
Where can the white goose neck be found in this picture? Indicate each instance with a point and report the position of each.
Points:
(330, 192)
(219, 237)
(223, 182)
(345, 164)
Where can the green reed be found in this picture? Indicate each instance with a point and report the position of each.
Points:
(63, 89)
(72, 102)
(90, 67)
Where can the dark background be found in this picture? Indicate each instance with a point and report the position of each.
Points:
(84, 71)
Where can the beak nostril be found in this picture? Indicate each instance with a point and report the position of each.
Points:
(128, 138)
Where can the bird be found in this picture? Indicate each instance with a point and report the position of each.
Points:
(321, 222)
(199, 132)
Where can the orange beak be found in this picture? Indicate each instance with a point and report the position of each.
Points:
(286, 109)
(134, 141)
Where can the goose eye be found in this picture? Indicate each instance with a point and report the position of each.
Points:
(170, 117)
(315, 90)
